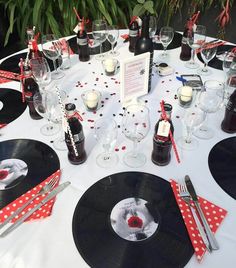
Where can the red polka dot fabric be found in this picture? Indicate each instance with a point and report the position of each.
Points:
(6, 76)
(2, 125)
(214, 215)
(42, 212)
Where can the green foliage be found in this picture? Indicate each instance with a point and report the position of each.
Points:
(57, 16)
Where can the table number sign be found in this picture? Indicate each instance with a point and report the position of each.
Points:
(134, 78)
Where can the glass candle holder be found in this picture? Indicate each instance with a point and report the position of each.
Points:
(185, 96)
(91, 99)
(110, 66)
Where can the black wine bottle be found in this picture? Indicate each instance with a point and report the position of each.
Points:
(229, 122)
(133, 34)
(161, 154)
(82, 42)
(144, 44)
(185, 53)
(76, 128)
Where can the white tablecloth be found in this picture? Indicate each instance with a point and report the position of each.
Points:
(49, 243)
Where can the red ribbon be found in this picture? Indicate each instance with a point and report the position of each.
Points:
(134, 18)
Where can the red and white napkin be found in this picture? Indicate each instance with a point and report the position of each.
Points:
(64, 45)
(214, 216)
(6, 76)
(43, 212)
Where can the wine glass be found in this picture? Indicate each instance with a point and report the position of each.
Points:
(208, 52)
(166, 36)
(47, 105)
(195, 39)
(99, 34)
(135, 126)
(112, 36)
(41, 71)
(192, 119)
(152, 27)
(106, 133)
(52, 50)
(209, 101)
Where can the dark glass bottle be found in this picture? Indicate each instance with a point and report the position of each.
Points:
(82, 42)
(133, 34)
(229, 122)
(162, 145)
(185, 53)
(144, 44)
(34, 51)
(78, 137)
(30, 88)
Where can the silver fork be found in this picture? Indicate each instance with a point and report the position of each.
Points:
(47, 188)
(184, 194)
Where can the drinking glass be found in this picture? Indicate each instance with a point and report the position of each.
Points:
(99, 34)
(192, 119)
(208, 52)
(47, 105)
(195, 39)
(112, 36)
(41, 71)
(152, 27)
(166, 36)
(106, 133)
(135, 126)
(209, 101)
(52, 50)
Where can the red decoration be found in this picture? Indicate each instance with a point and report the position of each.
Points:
(135, 222)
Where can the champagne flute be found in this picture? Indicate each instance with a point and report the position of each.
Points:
(99, 34)
(166, 36)
(208, 52)
(52, 50)
(152, 27)
(195, 39)
(192, 119)
(112, 36)
(135, 126)
(41, 71)
(209, 101)
(106, 132)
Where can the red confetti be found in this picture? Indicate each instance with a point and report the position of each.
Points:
(123, 148)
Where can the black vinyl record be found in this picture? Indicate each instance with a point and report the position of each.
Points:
(97, 222)
(27, 162)
(222, 164)
(106, 46)
(11, 105)
(176, 42)
(11, 64)
(217, 61)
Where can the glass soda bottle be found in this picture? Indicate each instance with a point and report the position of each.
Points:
(76, 151)
(133, 33)
(185, 53)
(161, 154)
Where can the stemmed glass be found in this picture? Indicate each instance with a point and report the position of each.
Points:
(41, 71)
(208, 52)
(99, 33)
(152, 27)
(112, 36)
(209, 101)
(47, 105)
(52, 50)
(166, 36)
(192, 119)
(106, 131)
(135, 126)
(195, 39)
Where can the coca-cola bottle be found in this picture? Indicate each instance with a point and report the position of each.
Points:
(161, 153)
(144, 44)
(185, 53)
(30, 88)
(229, 122)
(82, 42)
(133, 33)
(76, 150)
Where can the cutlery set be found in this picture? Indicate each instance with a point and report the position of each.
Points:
(50, 189)
(188, 195)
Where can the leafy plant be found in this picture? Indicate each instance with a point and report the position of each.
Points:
(143, 7)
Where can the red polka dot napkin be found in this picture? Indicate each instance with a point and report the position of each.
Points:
(42, 212)
(6, 76)
(214, 216)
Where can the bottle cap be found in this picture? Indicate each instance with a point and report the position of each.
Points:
(70, 107)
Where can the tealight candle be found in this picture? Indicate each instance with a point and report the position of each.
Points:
(185, 94)
(91, 99)
(109, 65)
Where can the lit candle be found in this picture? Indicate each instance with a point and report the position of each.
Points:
(109, 65)
(91, 99)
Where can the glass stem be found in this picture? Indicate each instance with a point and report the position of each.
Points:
(100, 48)
(135, 146)
(188, 138)
(205, 123)
(54, 65)
(193, 56)
(112, 48)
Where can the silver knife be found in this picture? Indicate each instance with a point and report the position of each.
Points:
(53, 193)
(212, 240)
